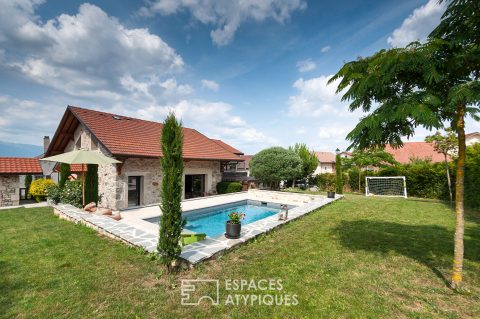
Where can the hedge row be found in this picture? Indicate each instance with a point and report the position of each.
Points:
(429, 180)
(228, 187)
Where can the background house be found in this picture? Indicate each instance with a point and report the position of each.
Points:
(12, 181)
(472, 138)
(326, 163)
(415, 150)
(136, 143)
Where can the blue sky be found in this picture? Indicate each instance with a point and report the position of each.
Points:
(253, 74)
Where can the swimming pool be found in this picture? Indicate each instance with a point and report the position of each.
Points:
(211, 220)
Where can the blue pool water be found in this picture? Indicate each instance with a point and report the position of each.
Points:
(213, 223)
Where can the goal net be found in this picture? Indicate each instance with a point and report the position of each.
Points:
(385, 186)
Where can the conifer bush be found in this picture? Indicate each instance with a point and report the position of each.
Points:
(171, 221)
(91, 184)
(64, 173)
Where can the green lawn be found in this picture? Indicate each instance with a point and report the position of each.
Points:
(359, 257)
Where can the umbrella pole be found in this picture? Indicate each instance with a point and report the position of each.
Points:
(83, 186)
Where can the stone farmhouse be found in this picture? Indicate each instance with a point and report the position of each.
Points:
(136, 143)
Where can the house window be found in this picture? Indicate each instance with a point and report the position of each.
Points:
(134, 191)
(194, 185)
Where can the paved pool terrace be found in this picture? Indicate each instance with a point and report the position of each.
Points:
(134, 230)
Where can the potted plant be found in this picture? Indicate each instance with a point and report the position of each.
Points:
(234, 225)
(331, 190)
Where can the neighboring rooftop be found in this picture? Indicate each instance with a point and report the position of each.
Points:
(19, 166)
(325, 157)
(415, 150)
(131, 137)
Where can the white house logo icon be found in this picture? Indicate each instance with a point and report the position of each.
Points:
(189, 286)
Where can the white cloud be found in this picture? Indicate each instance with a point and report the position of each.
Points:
(227, 16)
(211, 85)
(316, 98)
(418, 25)
(306, 65)
(325, 49)
(214, 119)
(91, 60)
(86, 54)
(27, 121)
(319, 115)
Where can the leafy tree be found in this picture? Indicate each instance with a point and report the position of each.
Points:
(372, 157)
(338, 174)
(91, 184)
(275, 164)
(64, 173)
(28, 181)
(171, 222)
(421, 85)
(447, 145)
(309, 160)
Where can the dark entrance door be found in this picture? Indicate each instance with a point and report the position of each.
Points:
(134, 190)
(194, 185)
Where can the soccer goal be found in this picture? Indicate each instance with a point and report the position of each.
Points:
(393, 186)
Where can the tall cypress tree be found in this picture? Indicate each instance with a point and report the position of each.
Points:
(64, 173)
(338, 174)
(28, 181)
(171, 222)
(91, 183)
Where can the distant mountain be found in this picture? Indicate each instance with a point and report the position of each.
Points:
(19, 150)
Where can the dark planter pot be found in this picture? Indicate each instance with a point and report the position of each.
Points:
(232, 231)
(331, 194)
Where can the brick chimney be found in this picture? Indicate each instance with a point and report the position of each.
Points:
(46, 143)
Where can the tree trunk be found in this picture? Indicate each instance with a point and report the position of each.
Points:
(449, 181)
(459, 194)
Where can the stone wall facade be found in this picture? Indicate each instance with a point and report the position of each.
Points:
(210, 168)
(9, 190)
(113, 182)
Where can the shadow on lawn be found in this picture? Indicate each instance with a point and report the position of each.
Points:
(7, 290)
(429, 244)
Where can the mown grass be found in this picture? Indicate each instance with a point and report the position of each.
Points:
(359, 257)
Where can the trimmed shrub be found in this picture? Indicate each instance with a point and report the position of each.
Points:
(228, 187)
(54, 193)
(38, 188)
(326, 182)
(472, 177)
(275, 164)
(72, 193)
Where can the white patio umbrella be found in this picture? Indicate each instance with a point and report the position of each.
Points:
(81, 157)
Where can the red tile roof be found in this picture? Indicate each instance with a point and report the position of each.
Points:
(19, 166)
(127, 136)
(227, 147)
(325, 157)
(415, 150)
